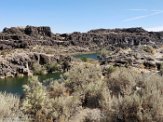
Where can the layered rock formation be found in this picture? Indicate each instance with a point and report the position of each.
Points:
(21, 63)
(28, 32)
(116, 37)
(30, 36)
(17, 37)
(137, 57)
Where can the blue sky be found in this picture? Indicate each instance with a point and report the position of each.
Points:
(82, 15)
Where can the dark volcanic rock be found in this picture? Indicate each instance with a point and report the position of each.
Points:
(116, 37)
(10, 44)
(21, 63)
(28, 32)
(38, 31)
(13, 30)
(109, 38)
(16, 37)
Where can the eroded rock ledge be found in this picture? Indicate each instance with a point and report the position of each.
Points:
(19, 37)
(21, 63)
(25, 38)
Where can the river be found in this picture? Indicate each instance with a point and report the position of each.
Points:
(14, 85)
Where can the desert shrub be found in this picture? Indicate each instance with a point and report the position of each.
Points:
(107, 71)
(48, 104)
(56, 89)
(118, 86)
(3, 52)
(128, 109)
(104, 52)
(35, 96)
(93, 94)
(87, 115)
(122, 81)
(137, 108)
(38, 69)
(64, 107)
(148, 49)
(53, 67)
(81, 75)
(140, 105)
(84, 59)
(61, 100)
(87, 80)
(7, 103)
(84, 94)
(9, 109)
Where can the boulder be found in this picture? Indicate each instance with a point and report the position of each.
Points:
(41, 32)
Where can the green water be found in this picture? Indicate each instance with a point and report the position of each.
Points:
(14, 85)
(91, 56)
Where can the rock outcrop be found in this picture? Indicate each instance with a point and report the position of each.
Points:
(116, 37)
(29, 36)
(17, 37)
(38, 32)
(135, 57)
(21, 63)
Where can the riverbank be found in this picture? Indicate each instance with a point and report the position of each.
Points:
(15, 85)
(22, 62)
(23, 50)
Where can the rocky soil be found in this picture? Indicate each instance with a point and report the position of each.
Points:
(139, 57)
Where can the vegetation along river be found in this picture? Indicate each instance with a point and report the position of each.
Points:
(14, 85)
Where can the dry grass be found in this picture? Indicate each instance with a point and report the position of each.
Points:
(8, 103)
(149, 49)
(9, 109)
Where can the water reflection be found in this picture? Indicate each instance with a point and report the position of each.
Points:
(14, 85)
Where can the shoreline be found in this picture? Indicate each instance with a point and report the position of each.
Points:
(66, 54)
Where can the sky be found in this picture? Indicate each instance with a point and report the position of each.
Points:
(66, 16)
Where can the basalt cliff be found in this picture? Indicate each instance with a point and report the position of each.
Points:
(18, 37)
(22, 47)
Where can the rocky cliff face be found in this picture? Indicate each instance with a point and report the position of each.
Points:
(17, 37)
(30, 36)
(29, 32)
(116, 37)
(38, 32)
(21, 63)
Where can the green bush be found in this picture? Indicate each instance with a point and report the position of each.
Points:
(148, 49)
(35, 96)
(53, 67)
(38, 69)
(104, 52)
(84, 59)
(107, 71)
